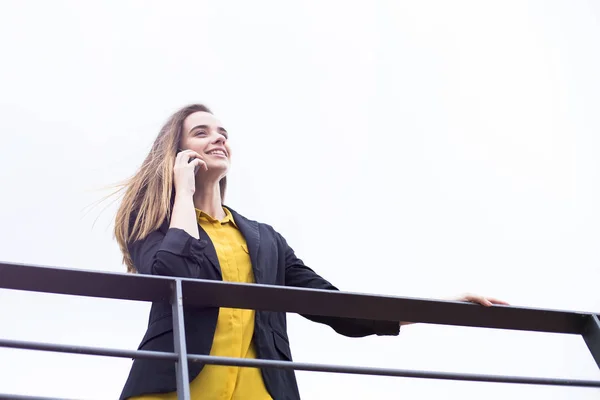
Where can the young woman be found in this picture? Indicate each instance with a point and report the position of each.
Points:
(172, 221)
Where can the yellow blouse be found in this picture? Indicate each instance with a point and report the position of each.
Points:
(235, 327)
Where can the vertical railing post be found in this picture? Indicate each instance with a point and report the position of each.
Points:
(183, 381)
(591, 335)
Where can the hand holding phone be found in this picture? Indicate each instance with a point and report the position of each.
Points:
(187, 164)
(192, 158)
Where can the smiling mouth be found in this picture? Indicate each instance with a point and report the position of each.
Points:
(219, 153)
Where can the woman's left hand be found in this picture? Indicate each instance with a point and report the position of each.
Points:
(477, 299)
(472, 298)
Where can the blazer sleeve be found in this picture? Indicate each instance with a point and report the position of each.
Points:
(171, 252)
(299, 275)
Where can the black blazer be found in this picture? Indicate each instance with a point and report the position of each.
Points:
(173, 252)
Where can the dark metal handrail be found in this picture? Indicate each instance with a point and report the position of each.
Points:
(190, 292)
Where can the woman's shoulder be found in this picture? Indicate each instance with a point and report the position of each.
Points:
(244, 220)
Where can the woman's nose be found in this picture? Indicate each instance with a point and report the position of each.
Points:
(219, 138)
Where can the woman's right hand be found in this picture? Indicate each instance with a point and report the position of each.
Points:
(184, 176)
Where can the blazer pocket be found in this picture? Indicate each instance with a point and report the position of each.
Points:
(156, 329)
(282, 345)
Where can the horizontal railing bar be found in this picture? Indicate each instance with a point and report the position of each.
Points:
(244, 362)
(6, 396)
(87, 350)
(387, 308)
(287, 299)
(109, 285)
(346, 369)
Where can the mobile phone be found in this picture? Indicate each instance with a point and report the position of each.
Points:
(189, 161)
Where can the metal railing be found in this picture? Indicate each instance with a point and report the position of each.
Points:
(192, 292)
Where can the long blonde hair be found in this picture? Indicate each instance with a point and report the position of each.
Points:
(147, 200)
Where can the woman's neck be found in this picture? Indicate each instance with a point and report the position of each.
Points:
(207, 198)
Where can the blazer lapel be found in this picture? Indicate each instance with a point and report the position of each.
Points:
(249, 230)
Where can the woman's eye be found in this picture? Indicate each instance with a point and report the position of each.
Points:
(201, 132)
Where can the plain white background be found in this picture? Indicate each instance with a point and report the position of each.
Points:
(420, 149)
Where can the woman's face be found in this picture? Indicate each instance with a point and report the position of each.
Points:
(204, 134)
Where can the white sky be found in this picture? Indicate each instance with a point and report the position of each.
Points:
(456, 141)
